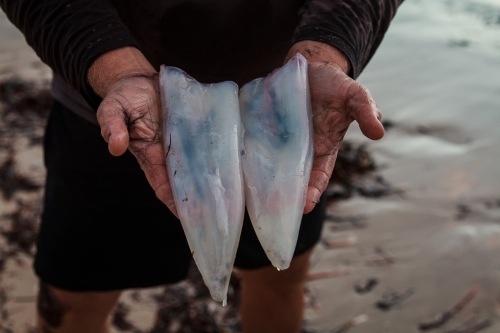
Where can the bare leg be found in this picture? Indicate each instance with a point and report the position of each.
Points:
(272, 301)
(62, 311)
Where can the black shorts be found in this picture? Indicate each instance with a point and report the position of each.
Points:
(103, 227)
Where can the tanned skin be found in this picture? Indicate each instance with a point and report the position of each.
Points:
(62, 311)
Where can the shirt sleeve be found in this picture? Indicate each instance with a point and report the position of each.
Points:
(356, 27)
(69, 35)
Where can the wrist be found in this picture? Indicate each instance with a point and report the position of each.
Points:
(112, 66)
(320, 52)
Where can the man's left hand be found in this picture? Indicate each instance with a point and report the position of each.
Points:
(337, 100)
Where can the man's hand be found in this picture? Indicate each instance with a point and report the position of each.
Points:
(130, 115)
(337, 101)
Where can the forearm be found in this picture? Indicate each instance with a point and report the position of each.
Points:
(69, 35)
(320, 52)
(114, 65)
(355, 27)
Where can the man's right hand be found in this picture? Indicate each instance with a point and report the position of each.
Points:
(130, 113)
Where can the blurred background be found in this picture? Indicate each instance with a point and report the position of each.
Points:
(412, 239)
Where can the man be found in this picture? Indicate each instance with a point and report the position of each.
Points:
(102, 228)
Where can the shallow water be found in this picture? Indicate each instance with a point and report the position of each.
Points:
(436, 78)
(442, 98)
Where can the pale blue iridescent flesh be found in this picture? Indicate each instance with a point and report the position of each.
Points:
(277, 117)
(203, 140)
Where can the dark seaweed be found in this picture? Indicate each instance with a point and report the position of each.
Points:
(24, 109)
(22, 232)
(120, 320)
(355, 173)
(187, 307)
(11, 181)
(367, 286)
(391, 299)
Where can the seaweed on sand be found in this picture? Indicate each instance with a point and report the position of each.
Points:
(12, 181)
(355, 173)
(20, 236)
(24, 109)
(187, 307)
(22, 232)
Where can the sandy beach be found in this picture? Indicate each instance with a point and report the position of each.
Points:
(432, 243)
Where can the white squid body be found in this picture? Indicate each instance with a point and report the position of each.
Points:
(277, 117)
(203, 140)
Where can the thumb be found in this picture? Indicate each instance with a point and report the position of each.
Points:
(111, 118)
(363, 109)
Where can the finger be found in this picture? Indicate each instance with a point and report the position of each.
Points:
(363, 109)
(164, 193)
(312, 199)
(320, 176)
(151, 158)
(111, 118)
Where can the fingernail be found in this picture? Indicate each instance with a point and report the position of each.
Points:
(315, 201)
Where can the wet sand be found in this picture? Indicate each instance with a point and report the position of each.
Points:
(436, 79)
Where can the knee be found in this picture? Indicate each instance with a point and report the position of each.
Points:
(272, 286)
(49, 307)
(286, 289)
(280, 283)
(58, 308)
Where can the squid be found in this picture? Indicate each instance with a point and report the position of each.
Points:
(203, 140)
(225, 149)
(277, 117)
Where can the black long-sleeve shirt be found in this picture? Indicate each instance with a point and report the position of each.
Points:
(212, 40)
